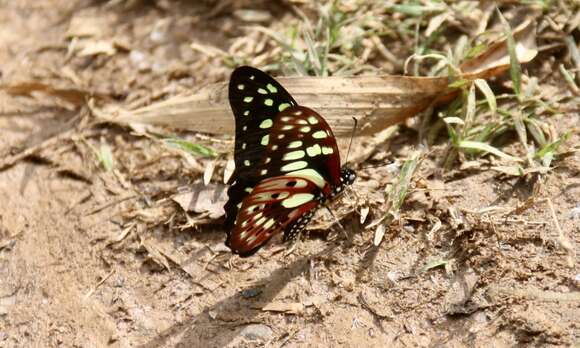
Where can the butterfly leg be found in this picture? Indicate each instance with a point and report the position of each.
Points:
(336, 221)
(290, 250)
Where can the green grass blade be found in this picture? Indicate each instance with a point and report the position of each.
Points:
(515, 67)
(476, 145)
(194, 149)
(487, 92)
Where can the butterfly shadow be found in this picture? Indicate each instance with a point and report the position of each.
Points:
(222, 322)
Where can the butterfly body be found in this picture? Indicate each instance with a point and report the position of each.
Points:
(287, 163)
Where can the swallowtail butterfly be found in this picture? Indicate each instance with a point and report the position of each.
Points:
(286, 163)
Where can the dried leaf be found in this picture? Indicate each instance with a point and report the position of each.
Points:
(74, 96)
(290, 308)
(203, 199)
(379, 235)
(93, 48)
(229, 170)
(208, 172)
(378, 101)
(496, 58)
(364, 212)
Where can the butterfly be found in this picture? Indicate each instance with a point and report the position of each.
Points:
(287, 163)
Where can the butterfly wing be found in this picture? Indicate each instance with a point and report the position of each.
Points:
(255, 99)
(302, 143)
(278, 204)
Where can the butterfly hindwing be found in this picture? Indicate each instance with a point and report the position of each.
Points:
(278, 204)
(255, 99)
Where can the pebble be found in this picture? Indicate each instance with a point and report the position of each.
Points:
(257, 332)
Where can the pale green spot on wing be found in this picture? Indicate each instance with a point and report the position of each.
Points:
(262, 91)
(295, 144)
(269, 223)
(246, 113)
(267, 123)
(319, 134)
(327, 150)
(260, 221)
(283, 107)
(241, 87)
(297, 199)
(312, 120)
(265, 139)
(293, 155)
(271, 88)
(248, 99)
(311, 175)
(247, 163)
(314, 150)
(305, 129)
(268, 102)
(294, 166)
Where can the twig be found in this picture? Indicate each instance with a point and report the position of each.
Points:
(562, 239)
(9, 161)
(366, 306)
(110, 204)
(98, 284)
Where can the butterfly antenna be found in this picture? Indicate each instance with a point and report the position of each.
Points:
(351, 137)
(378, 165)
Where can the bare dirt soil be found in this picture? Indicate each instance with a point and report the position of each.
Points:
(97, 258)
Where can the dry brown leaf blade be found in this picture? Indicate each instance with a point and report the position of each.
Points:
(26, 89)
(203, 199)
(377, 101)
(280, 307)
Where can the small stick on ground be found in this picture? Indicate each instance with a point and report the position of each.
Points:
(98, 284)
(562, 239)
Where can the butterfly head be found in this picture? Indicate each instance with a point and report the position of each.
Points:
(347, 176)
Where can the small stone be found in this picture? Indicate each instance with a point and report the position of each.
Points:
(257, 332)
(249, 293)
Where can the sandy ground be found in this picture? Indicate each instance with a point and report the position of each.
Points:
(88, 258)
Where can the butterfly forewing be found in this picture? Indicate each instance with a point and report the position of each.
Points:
(302, 143)
(282, 203)
(255, 99)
